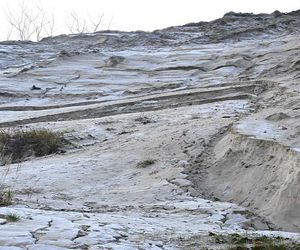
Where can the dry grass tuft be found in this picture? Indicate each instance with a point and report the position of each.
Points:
(6, 196)
(16, 146)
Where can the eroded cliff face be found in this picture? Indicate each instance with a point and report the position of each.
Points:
(214, 108)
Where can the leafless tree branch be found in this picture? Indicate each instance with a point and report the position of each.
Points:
(80, 25)
(28, 24)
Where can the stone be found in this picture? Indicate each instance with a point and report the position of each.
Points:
(2, 221)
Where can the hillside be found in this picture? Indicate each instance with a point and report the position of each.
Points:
(181, 138)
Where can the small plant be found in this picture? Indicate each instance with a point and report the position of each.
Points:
(240, 242)
(146, 163)
(5, 197)
(143, 119)
(12, 217)
(239, 239)
(15, 146)
(264, 242)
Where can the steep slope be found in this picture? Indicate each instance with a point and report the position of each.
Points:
(209, 110)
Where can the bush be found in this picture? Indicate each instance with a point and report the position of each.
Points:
(17, 145)
(146, 163)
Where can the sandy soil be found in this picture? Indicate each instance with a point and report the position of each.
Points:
(218, 113)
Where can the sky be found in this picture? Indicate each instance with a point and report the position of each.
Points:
(130, 15)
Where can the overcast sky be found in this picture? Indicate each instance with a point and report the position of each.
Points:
(141, 14)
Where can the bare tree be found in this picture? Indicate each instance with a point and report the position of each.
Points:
(39, 23)
(110, 22)
(96, 24)
(29, 24)
(19, 22)
(77, 25)
(80, 25)
(50, 26)
(34, 23)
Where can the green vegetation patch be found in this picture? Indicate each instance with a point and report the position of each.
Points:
(146, 163)
(12, 217)
(241, 242)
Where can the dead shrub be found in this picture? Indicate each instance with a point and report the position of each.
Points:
(16, 146)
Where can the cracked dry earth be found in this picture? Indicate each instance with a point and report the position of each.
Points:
(215, 106)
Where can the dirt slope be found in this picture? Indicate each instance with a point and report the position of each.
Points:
(214, 107)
